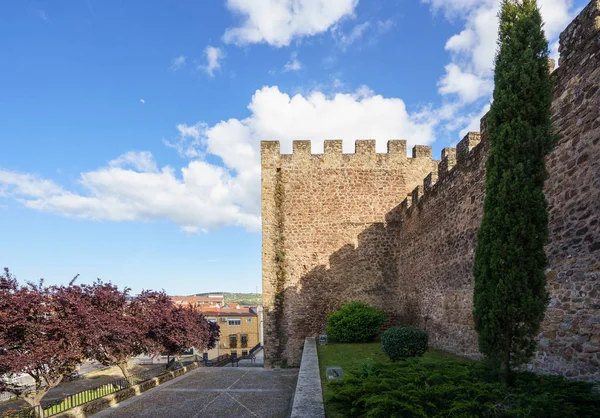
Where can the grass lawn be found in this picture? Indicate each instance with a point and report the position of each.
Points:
(440, 384)
(352, 356)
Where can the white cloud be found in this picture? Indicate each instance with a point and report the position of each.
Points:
(462, 42)
(178, 63)
(474, 121)
(345, 40)
(370, 30)
(189, 141)
(467, 86)
(293, 64)
(140, 161)
(278, 22)
(213, 56)
(469, 75)
(198, 197)
(202, 195)
(385, 25)
(42, 15)
(142, 101)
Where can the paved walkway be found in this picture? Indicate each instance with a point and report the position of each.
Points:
(240, 392)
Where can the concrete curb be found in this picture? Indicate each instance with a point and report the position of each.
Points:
(308, 398)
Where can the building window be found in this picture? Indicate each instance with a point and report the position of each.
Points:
(233, 341)
(244, 340)
(234, 353)
(223, 319)
(244, 352)
(235, 322)
(248, 319)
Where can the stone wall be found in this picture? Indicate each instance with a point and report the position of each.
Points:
(438, 232)
(334, 229)
(570, 341)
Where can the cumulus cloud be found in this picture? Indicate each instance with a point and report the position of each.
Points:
(467, 86)
(468, 77)
(178, 63)
(213, 57)
(278, 22)
(203, 195)
(293, 64)
(197, 197)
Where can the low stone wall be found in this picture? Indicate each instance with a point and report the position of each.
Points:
(113, 399)
(308, 398)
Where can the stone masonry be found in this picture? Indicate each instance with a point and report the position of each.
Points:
(400, 233)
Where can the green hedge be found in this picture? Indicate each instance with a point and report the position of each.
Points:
(402, 342)
(355, 322)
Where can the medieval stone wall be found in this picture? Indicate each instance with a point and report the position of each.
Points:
(336, 228)
(439, 229)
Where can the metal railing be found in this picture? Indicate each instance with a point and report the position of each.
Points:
(56, 407)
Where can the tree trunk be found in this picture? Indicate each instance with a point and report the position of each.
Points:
(126, 373)
(34, 400)
(124, 369)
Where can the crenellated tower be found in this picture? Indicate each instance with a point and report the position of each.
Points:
(400, 232)
(313, 205)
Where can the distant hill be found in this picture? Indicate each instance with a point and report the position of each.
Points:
(253, 299)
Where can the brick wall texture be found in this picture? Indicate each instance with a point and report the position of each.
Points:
(400, 233)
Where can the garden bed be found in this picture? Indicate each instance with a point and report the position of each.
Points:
(441, 385)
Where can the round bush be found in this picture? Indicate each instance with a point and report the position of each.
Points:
(401, 342)
(355, 322)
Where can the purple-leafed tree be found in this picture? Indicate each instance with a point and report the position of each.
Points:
(120, 325)
(181, 328)
(41, 335)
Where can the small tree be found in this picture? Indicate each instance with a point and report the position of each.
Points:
(41, 335)
(510, 295)
(182, 328)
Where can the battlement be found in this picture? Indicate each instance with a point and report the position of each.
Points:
(398, 229)
(580, 39)
(364, 154)
(452, 159)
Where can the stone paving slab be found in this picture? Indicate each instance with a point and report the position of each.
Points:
(215, 392)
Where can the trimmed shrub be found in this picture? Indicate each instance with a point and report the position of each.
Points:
(355, 322)
(425, 387)
(402, 342)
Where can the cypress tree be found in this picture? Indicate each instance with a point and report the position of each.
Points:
(510, 295)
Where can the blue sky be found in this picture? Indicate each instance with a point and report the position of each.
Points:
(129, 147)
